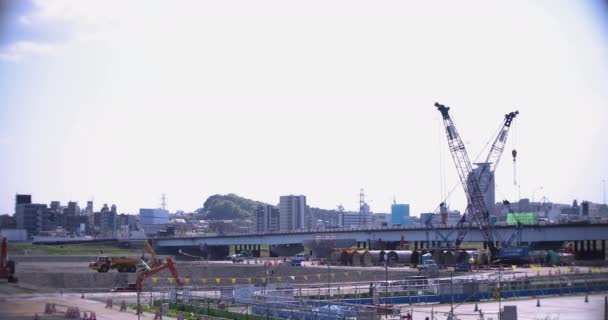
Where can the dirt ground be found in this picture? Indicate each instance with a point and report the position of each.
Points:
(20, 303)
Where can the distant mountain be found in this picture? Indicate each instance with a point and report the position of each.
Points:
(228, 207)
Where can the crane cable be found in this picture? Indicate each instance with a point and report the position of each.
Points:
(514, 152)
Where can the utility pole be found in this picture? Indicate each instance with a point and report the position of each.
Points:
(386, 284)
(533, 192)
(499, 294)
(328, 286)
(604, 182)
(451, 295)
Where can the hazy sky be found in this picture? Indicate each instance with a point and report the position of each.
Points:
(121, 101)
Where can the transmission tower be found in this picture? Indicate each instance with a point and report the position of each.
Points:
(361, 206)
(163, 201)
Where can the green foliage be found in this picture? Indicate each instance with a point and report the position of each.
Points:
(69, 249)
(229, 207)
(211, 312)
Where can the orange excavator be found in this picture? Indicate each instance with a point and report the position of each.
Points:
(147, 272)
(7, 267)
(168, 264)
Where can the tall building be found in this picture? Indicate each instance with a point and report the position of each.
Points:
(400, 214)
(380, 219)
(89, 207)
(351, 219)
(28, 215)
(365, 215)
(108, 220)
(266, 218)
(55, 206)
(488, 180)
(152, 220)
(292, 213)
(23, 199)
(71, 217)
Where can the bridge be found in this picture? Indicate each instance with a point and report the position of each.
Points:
(584, 236)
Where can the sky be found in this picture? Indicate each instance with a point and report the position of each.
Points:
(122, 101)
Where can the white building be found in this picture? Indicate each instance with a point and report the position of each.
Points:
(380, 219)
(152, 220)
(350, 219)
(489, 194)
(292, 212)
(266, 218)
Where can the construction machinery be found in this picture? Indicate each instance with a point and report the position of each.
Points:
(147, 272)
(511, 253)
(154, 260)
(7, 267)
(474, 184)
(104, 263)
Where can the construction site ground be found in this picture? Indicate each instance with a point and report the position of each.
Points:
(63, 280)
(24, 304)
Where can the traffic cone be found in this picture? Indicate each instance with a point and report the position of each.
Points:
(586, 299)
(476, 308)
(538, 302)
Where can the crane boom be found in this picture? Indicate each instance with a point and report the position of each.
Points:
(468, 180)
(486, 174)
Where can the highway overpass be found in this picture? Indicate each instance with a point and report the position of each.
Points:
(582, 234)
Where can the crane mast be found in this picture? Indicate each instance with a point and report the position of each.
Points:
(486, 175)
(468, 180)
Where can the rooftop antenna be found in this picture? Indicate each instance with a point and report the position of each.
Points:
(163, 201)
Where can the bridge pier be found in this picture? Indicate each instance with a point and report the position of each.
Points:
(588, 250)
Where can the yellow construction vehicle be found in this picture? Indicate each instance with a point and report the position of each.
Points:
(154, 259)
(105, 263)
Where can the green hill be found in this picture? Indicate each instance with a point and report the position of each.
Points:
(228, 207)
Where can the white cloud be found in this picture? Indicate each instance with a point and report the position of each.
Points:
(89, 14)
(20, 50)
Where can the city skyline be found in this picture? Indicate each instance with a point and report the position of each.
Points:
(319, 99)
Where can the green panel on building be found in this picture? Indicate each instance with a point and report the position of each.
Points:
(522, 217)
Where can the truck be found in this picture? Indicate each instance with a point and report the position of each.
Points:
(105, 263)
(428, 265)
(298, 259)
(240, 257)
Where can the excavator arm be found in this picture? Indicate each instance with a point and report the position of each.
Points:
(148, 248)
(147, 273)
